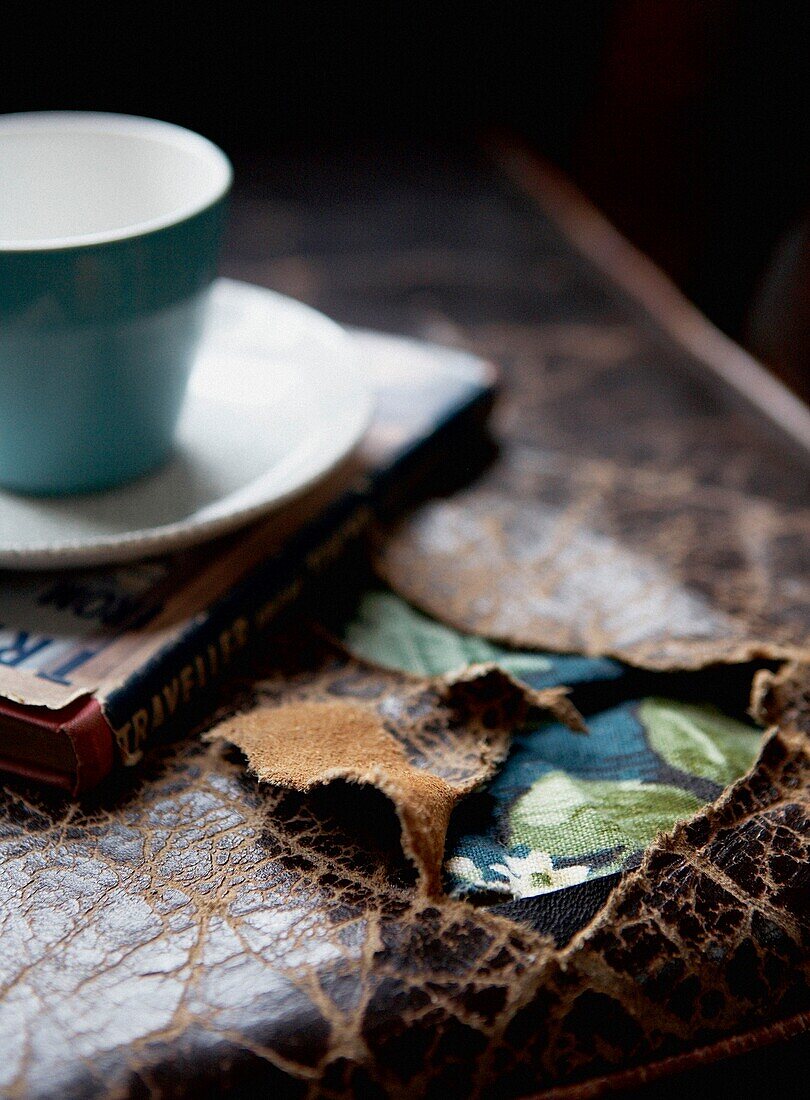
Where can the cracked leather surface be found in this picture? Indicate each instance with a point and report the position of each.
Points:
(187, 929)
(199, 929)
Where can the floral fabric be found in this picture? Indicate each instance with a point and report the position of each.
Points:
(565, 807)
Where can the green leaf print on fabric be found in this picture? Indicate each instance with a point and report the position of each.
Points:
(699, 739)
(567, 816)
(388, 631)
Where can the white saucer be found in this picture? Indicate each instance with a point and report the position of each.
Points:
(275, 402)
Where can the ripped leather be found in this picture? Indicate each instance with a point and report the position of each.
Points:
(321, 716)
(199, 926)
(595, 558)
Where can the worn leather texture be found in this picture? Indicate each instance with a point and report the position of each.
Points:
(553, 552)
(196, 929)
(188, 931)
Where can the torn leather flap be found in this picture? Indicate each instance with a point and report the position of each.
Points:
(781, 696)
(594, 558)
(320, 715)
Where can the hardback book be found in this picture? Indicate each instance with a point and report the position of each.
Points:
(96, 663)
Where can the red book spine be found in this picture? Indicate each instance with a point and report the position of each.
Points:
(84, 726)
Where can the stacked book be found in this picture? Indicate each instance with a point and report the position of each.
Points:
(95, 663)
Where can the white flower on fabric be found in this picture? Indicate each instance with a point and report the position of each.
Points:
(521, 876)
(469, 873)
(535, 874)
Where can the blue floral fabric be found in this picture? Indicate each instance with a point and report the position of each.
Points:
(564, 807)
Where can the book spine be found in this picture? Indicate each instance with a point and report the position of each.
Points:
(89, 735)
(178, 683)
(177, 688)
(84, 729)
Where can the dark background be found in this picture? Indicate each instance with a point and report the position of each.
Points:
(685, 120)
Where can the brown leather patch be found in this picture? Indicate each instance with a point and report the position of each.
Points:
(595, 558)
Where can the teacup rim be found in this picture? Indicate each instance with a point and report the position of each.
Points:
(113, 122)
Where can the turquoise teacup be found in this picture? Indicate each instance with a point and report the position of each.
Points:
(109, 233)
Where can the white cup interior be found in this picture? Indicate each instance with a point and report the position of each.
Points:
(78, 178)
